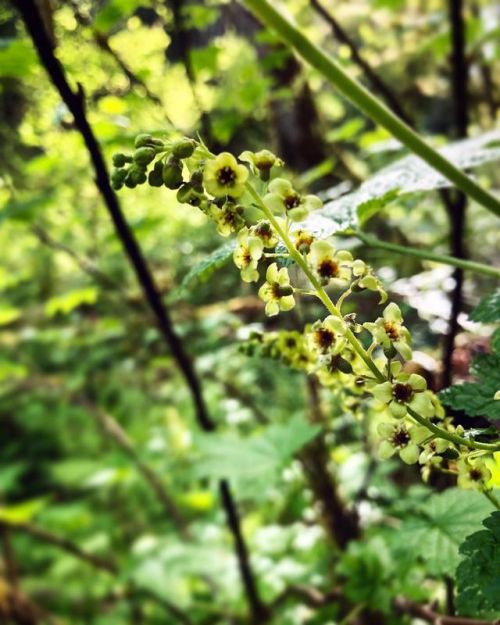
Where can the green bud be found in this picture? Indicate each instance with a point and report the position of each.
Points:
(136, 175)
(119, 159)
(197, 180)
(145, 140)
(155, 177)
(118, 178)
(344, 365)
(144, 156)
(183, 148)
(390, 352)
(172, 174)
(187, 195)
(450, 454)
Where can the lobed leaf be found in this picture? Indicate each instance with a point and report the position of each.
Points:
(488, 310)
(438, 527)
(476, 398)
(478, 575)
(405, 176)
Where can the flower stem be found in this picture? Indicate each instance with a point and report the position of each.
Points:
(320, 291)
(366, 102)
(356, 345)
(372, 241)
(489, 495)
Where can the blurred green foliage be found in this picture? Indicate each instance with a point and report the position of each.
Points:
(77, 339)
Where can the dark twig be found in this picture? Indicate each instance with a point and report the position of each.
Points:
(377, 83)
(456, 202)
(62, 543)
(260, 613)
(427, 614)
(75, 102)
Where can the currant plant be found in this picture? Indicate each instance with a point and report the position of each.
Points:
(244, 196)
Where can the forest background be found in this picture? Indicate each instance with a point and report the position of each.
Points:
(151, 469)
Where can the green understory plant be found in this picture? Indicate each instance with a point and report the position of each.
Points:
(245, 196)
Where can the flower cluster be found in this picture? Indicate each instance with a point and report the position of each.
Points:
(231, 191)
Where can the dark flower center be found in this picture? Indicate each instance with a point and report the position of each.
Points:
(247, 257)
(264, 231)
(279, 291)
(400, 438)
(291, 342)
(391, 330)
(226, 176)
(292, 201)
(264, 164)
(402, 393)
(475, 475)
(324, 338)
(328, 268)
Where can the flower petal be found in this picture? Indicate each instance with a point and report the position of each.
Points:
(409, 454)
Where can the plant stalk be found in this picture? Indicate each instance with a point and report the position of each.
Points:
(356, 345)
(366, 102)
(468, 265)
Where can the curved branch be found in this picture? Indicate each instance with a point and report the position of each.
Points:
(75, 102)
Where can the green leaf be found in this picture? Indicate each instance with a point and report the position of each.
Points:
(253, 463)
(17, 59)
(22, 512)
(495, 341)
(67, 302)
(114, 11)
(478, 575)
(437, 528)
(488, 310)
(8, 314)
(406, 176)
(372, 207)
(476, 398)
(203, 270)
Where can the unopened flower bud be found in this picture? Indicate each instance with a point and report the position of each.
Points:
(119, 159)
(172, 174)
(183, 148)
(144, 156)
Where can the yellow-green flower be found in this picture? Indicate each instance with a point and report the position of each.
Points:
(265, 232)
(261, 162)
(432, 449)
(282, 196)
(302, 240)
(276, 291)
(405, 390)
(389, 332)
(327, 263)
(473, 473)
(401, 439)
(247, 254)
(228, 218)
(327, 337)
(224, 176)
(292, 349)
(366, 279)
